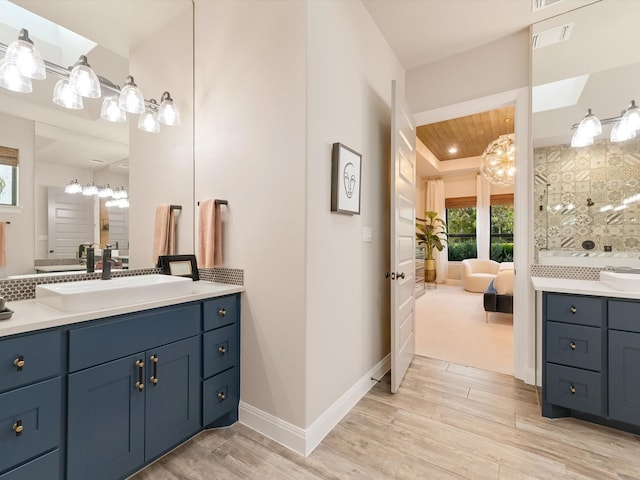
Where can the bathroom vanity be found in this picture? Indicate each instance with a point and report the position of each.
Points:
(100, 394)
(590, 352)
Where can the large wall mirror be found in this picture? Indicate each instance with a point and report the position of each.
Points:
(587, 202)
(59, 145)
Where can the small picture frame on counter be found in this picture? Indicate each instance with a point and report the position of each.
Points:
(179, 266)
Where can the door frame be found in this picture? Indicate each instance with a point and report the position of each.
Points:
(524, 338)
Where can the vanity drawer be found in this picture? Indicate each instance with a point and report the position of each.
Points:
(220, 311)
(574, 345)
(574, 309)
(221, 350)
(624, 315)
(220, 395)
(46, 466)
(89, 346)
(37, 409)
(573, 388)
(40, 353)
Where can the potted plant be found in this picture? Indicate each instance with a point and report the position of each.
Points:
(432, 233)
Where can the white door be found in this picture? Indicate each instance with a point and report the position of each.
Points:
(70, 222)
(403, 233)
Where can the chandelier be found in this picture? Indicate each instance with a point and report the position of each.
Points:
(498, 161)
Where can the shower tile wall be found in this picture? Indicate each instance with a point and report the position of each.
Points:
(566, 178)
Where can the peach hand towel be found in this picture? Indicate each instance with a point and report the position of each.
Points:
(3, 244)
(164, 232)
(209, 235)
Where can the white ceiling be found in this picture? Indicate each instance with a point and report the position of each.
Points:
(425, 31)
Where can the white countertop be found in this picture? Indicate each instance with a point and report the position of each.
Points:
(30, 315)
(59, 268)
(581, 287)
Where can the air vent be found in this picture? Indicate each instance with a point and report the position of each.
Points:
(552, 36)
(540, 4)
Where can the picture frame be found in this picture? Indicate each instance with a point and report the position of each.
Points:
(346, 174)
(179, 266)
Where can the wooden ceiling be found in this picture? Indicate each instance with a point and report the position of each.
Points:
(470, 134)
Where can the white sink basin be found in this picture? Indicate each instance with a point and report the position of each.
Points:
(91, 295)
(628, 282)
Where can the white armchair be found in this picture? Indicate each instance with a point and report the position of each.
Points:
(476, 274)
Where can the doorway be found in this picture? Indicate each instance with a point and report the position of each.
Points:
(523, 317)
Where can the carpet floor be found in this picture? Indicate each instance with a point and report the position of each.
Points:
(450, 325)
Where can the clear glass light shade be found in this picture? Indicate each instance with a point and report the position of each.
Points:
(83, 80)
(73, 187)
(589, 126)
(131, 99)
(168, 113)
(64, 96)
(581, 140)
(111, 110)
(631, 118)
(24, 55)
(621, 131)
(90, 189)
(11, 79)
(148, 122)
(105, 192)
(498, 161)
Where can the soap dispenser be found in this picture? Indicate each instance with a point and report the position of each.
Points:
(91, 259)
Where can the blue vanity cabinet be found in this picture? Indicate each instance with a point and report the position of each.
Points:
(30, 405)
(624, 361)
(221, 361)
(125, 412)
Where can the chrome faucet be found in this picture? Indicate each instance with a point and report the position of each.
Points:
(107, 261)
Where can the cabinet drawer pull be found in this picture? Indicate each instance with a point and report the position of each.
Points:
(222, 312)
(572, 389)
(154, 375)
(18, 428)
(222, 350)
(139, 384)
(572, 345)
(19, 362)
(221, 396)
(573, 309)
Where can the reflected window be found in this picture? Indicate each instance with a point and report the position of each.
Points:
(9, 176)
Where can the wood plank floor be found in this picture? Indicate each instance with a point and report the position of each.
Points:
(446, 422)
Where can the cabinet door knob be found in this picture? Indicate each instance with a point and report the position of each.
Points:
(572, 345)
(572, 389)
(18, 428)
(221, 395)
(222, 350)
(139, 383)
(573, 309)
(19, 362)
(222, 312)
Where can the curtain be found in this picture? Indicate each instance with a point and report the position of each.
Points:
(435, 203)
(483, 194)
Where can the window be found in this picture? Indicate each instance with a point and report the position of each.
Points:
(8, 176)
(502, 232)
(461, 226)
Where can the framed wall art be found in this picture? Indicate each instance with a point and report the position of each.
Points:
(345, 180)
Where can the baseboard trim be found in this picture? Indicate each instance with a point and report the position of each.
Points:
(304, 441)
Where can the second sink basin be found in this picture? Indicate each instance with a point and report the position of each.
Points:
(628, 282)
(91, 295)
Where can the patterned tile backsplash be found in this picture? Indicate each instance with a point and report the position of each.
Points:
(25, 288)
(587, 193)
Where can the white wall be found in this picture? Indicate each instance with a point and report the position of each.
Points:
(493, 68)
(19, 133)
(350, 69)
(161, 165)
(250, 150)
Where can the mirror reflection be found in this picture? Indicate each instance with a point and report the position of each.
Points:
(586, 204)
(59, 145)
